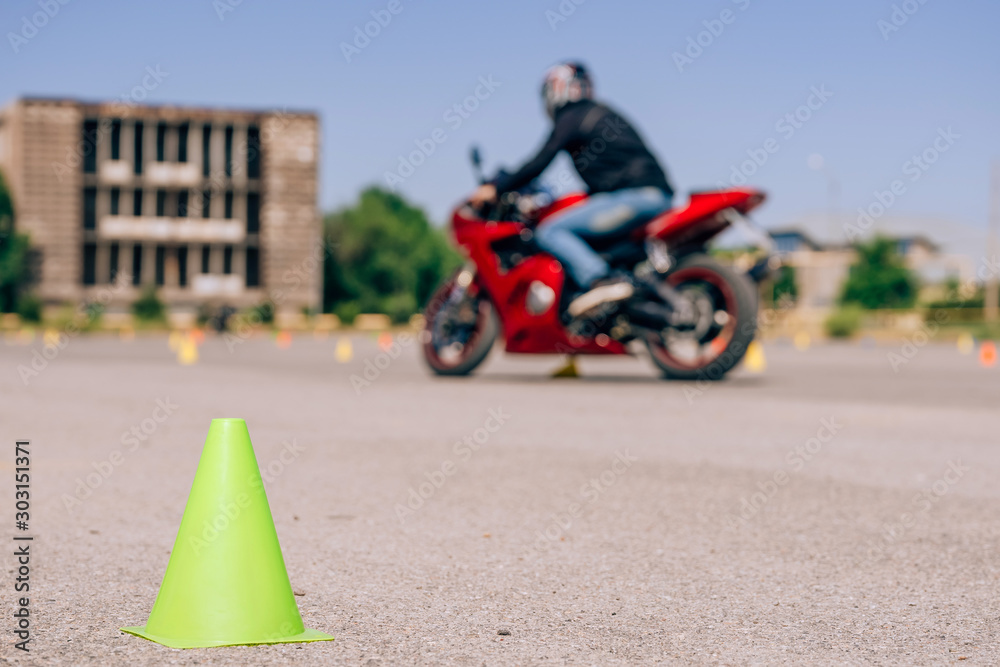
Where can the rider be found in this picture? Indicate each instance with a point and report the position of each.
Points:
(627, 185)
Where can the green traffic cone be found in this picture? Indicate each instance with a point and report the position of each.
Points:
(226, 582)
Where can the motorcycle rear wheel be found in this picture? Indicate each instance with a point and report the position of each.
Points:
(726, 322)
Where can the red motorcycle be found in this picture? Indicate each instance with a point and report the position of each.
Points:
(695, 315)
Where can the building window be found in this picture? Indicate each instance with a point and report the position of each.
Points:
(206, 204)
(182, 266)
(253, 213)
(113, 252)
(116, 140)
(206, 257)
(116, 197)
(229, 150)
(161, 203)
(206, 150)
(90, 147)
(227, 260)
(137, 202)
(182, 142)
(253, 152)
(228, 214)
(137, 264)
(89, 263)
(161, 262)
(137, 148)
(90, 208)
(161, 142)
(182, 204)
(253, 267)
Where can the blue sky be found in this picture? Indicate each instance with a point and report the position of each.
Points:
(891, 91)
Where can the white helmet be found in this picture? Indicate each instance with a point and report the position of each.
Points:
(565, 83)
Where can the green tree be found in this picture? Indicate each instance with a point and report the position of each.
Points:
(383, 256)
(879, 278)
(14, 268)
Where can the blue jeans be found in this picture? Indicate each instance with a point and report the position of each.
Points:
(603, 215)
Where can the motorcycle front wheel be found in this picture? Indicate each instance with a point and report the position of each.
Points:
(460, 326)
(723, 326)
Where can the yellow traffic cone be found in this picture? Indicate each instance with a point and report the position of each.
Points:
(187, 352)
(966, 343)
(344, 353)
(51, 338)
(568, 370)
(126, 334)
(802, 341)
(226, 582)
(754, 359)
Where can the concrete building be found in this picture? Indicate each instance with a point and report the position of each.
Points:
(822, 268)
(212, 206)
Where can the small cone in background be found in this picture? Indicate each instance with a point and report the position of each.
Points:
(174, 340)
(802, 341)
(384, 341)
(198, 336)
(344, 353)
(966, 343)
(126, 334)
(988, 354)
(187, 352)
(50, 338)
(226, 582)
(568, 370)
(283, 340)
(754, 359)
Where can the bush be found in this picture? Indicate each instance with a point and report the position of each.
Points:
(879, 278)
(399, 307)
(785, 288)
(29, 307)
(347, 311)
(262, 313)
(844, 322)
(148, 307)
